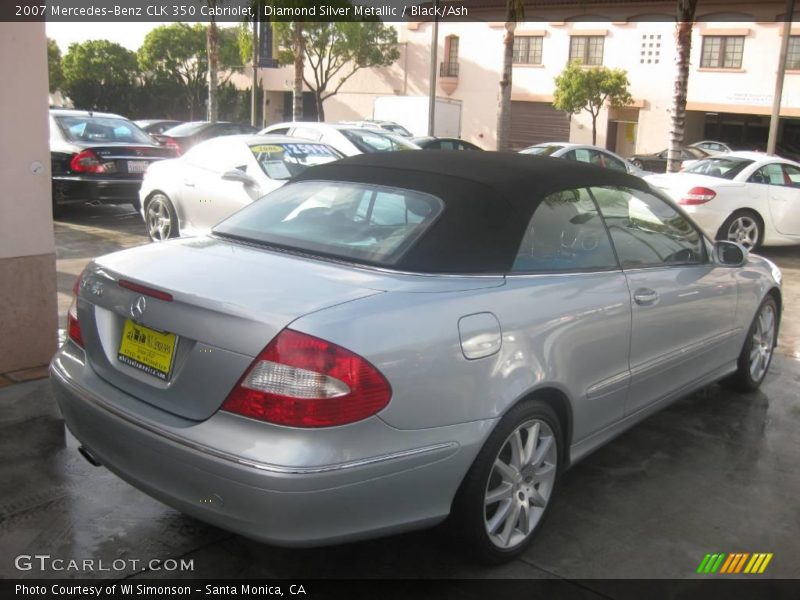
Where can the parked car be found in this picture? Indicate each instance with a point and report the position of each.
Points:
(98, 157)
(186, 135)
(657, 162)
(746, 197)
(347, 139)
(394, 338)
(443, 143)
(711, 147)
(586, 154)
(153, 126)
(389, 126)
(215, 178)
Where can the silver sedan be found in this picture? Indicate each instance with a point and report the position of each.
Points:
(397, 338)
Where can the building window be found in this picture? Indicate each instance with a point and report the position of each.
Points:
(587, 49)
(650, 52)
(449, 68)
(722, 51)
(793, 53)
(528, 50)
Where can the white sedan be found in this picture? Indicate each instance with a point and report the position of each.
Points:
(747, 197)
(347, 139)
(189, 195)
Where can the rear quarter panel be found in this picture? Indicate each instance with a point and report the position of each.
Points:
(558, 331)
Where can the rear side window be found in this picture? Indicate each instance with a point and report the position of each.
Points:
(352, 221)
(566, 233)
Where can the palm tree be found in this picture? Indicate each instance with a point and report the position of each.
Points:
(212, 46)
(298, 51)
(683, 41)
(515, 12)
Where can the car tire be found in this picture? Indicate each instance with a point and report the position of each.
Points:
(745, 227)
(160, 219)
(488, 511)
(759, 346)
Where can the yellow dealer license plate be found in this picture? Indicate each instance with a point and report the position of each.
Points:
(147, 349)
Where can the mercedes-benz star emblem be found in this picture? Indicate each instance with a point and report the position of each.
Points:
(138, 307)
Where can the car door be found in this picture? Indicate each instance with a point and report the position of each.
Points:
(683, 305)
(571, 309)
(210, 198)
(783, 184)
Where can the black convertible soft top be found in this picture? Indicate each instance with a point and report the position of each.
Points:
(489, 199)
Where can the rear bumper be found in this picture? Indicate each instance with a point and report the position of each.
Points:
(303, 501)
(68, 190)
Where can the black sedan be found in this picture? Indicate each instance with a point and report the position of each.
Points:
(99, 157)
(443, 143)
(657, 162)
(152, 126)
(186, 135)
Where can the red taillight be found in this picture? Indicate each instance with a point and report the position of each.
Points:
(698, 195)
(145, 290)
(86, 162)
(302, 381)
(73, 325)
(172, 145)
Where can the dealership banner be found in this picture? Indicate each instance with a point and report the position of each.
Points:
(493, 11)
(418, 589)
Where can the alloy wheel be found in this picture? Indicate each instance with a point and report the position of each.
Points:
(744, 230)
(762, 342)
(520, 484)
(159, 220)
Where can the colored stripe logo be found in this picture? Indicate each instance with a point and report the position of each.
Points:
(732, 564)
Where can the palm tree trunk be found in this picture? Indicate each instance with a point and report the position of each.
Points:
(212, 44)
(683, 42)
(504, 108)
(297, 92)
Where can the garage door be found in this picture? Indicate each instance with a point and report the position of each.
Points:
(536, 122)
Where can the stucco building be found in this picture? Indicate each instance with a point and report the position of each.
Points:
(734, 60)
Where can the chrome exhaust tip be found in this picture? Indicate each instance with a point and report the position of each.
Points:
(89, 457)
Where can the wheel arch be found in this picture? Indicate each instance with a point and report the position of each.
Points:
(558, 400)
(776, 294)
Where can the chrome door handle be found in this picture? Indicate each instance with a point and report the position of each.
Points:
(645, 296)
(188, 183)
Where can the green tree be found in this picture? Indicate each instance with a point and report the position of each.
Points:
(515, 12)
(579, 88)
(683, 42)
(178, 53)
(100, 75)
(54, 72)
(335, 51)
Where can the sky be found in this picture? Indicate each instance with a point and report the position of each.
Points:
(131, 35)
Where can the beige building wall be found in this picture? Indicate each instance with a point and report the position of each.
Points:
(28, 319)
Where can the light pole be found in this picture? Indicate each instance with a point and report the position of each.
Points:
(774, 120)
(253, 94)
(434, 50)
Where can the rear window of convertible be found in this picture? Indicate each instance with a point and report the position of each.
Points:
(353, 221)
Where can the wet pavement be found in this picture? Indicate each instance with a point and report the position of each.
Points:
(715, 472)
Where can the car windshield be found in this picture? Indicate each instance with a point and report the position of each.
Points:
(284, 160)
(352, 221)
(85, 128)
(398, 129)
(723, 167)
(542, 150)
(371, 141)
(186, 128)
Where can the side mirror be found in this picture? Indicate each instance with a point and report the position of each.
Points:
(239, 176)
(730, 254)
